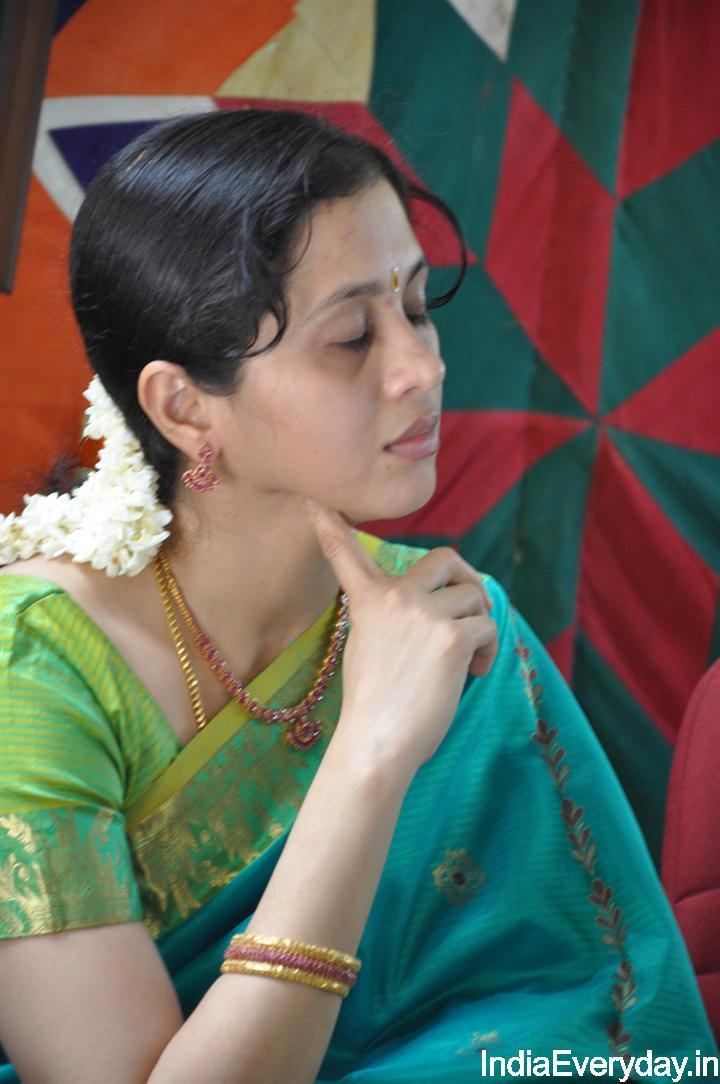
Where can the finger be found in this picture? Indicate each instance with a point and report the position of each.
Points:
(443, 567)
(353, 567)
(482, 661)
(488, 599)
(460, 600)
(483, 637)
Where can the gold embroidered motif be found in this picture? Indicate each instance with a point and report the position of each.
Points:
(458, 877)
(226, 817)
(18, 829)
(64, 869)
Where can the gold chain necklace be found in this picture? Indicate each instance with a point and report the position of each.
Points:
(302, 731)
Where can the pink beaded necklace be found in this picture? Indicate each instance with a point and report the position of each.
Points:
(302, 731)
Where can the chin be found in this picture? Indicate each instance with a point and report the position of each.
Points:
(397, 506)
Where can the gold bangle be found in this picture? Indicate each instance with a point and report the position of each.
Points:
(315, 952)
(282, 971)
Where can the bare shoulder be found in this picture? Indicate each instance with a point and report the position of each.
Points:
(60, 570)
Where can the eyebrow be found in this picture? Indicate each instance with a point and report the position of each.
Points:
(364, 289)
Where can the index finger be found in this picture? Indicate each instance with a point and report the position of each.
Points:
(353, 567)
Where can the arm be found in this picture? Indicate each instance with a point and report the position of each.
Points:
(97, 1004)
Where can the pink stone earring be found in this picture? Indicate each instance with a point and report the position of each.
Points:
(201, 477)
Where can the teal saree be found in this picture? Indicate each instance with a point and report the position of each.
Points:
(518, 915)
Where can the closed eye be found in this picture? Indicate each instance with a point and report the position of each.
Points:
(360, 343)
(363, 341)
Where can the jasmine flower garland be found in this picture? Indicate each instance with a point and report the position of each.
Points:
(113, 520)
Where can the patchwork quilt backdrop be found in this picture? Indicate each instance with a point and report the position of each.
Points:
(579, 146)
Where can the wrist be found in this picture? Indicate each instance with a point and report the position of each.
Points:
(366, 761)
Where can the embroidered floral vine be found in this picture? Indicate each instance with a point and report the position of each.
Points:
(584, 850)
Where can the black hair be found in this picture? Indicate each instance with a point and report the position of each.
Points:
(185, 239)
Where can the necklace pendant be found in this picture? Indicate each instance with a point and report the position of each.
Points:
(303, 733)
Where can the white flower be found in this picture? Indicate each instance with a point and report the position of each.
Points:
(113, 521)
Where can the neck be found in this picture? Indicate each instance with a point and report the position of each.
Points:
(254, 581)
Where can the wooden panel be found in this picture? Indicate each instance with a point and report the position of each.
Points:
(25, 35)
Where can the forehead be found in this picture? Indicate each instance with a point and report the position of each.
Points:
(353, 239)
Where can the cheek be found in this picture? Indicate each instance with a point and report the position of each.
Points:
(335, 430)
(319, 425)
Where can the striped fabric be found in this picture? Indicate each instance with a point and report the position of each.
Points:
(82, 738)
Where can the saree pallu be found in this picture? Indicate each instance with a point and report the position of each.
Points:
(518, 912)
(518, 909)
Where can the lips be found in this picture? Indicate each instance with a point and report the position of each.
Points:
(420, 428)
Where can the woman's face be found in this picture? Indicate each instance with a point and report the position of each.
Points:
(357, 366)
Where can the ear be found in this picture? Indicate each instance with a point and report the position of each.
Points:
(174, 405)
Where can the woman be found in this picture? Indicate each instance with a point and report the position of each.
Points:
(431, 822)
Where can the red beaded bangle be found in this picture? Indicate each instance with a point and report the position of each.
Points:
(296, 961)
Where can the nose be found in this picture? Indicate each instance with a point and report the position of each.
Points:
(413, 359)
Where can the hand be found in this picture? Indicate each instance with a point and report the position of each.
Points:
(413, 639)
